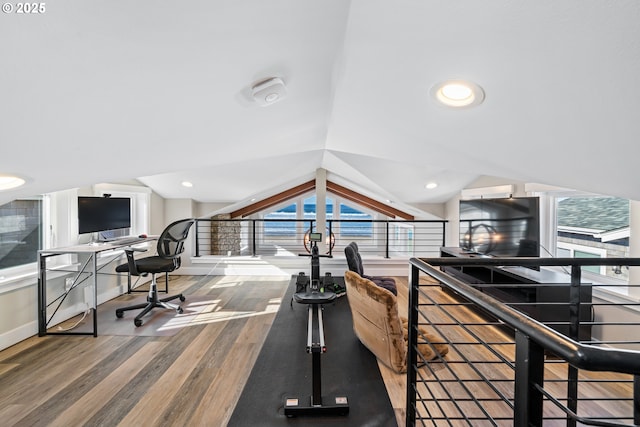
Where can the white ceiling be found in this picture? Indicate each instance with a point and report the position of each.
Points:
(109, 91)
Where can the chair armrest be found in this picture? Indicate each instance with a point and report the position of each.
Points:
(132, 249)
(133, 268)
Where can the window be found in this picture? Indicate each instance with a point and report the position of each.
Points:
(361, 225)
(593, 227)
(281, 228)
(49, 221)
(357, 222)
(21, 225)
(566, 250)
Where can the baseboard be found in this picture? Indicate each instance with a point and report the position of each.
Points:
(276, 266)
(18, 334)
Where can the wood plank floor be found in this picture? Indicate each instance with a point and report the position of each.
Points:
(191, 376)
(173, 371)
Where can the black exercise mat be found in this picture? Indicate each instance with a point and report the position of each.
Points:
(283, 369)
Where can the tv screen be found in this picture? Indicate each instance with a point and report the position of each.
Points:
(103, 213)
(501, 227)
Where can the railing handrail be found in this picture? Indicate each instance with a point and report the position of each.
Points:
(582, 356)
(486, 260)
(256, 236)
(404, 221)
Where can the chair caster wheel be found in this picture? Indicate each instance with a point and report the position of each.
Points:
(182, 298)
(137, 322)
(179, 310)
(119, 314)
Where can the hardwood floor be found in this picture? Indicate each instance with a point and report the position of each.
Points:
(192, 376)
(174, 370)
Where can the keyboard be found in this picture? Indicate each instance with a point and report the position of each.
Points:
(127, 241)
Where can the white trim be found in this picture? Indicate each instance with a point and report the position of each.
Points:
(488, 192)
(580, 230)
(16, 282)
(608, 236)
(602, 253)
(288, 265)
(18, 334)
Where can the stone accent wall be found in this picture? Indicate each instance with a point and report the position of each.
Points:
(225, 236)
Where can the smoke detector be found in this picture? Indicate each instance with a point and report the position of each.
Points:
(269, 91)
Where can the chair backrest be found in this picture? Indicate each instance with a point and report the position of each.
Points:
(354, 260)
(376, 322)
(171, 241)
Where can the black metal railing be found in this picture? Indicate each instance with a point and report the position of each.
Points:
(505, 368)
(273, 237)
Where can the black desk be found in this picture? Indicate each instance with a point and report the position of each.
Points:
(88, 271)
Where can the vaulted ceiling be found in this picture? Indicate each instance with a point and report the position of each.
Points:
(110, 91)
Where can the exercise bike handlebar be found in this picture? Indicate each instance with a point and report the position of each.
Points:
(318, 255)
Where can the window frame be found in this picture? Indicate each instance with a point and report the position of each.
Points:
(572, 248)
(60, 227)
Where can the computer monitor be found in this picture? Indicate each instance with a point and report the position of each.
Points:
(103, 213)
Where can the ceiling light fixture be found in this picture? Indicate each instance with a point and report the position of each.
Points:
(8, 182)
(187, 184)
(458, 93)
(431, 185)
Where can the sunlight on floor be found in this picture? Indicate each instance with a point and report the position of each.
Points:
(205, 312)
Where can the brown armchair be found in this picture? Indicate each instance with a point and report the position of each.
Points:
(378, 326)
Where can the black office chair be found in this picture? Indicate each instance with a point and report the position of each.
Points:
(170, 246)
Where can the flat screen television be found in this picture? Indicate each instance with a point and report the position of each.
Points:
(501, 227)
(103, 213)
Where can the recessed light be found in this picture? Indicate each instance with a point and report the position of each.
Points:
(7, 182)
(458, 93)
(187, 184)
(431, 185)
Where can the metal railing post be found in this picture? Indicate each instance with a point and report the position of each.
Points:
(197, 240)
(253, 238)
(574, 333)
(386, 251)
(329, 224)
(412, 345)
(528, 400)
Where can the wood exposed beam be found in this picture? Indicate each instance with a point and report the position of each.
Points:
(367, 202)
(274, 200)
(332, 188)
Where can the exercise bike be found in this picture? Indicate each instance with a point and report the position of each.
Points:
(314, 294)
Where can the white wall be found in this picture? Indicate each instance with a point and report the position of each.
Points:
(207, 210)
(19, 298)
